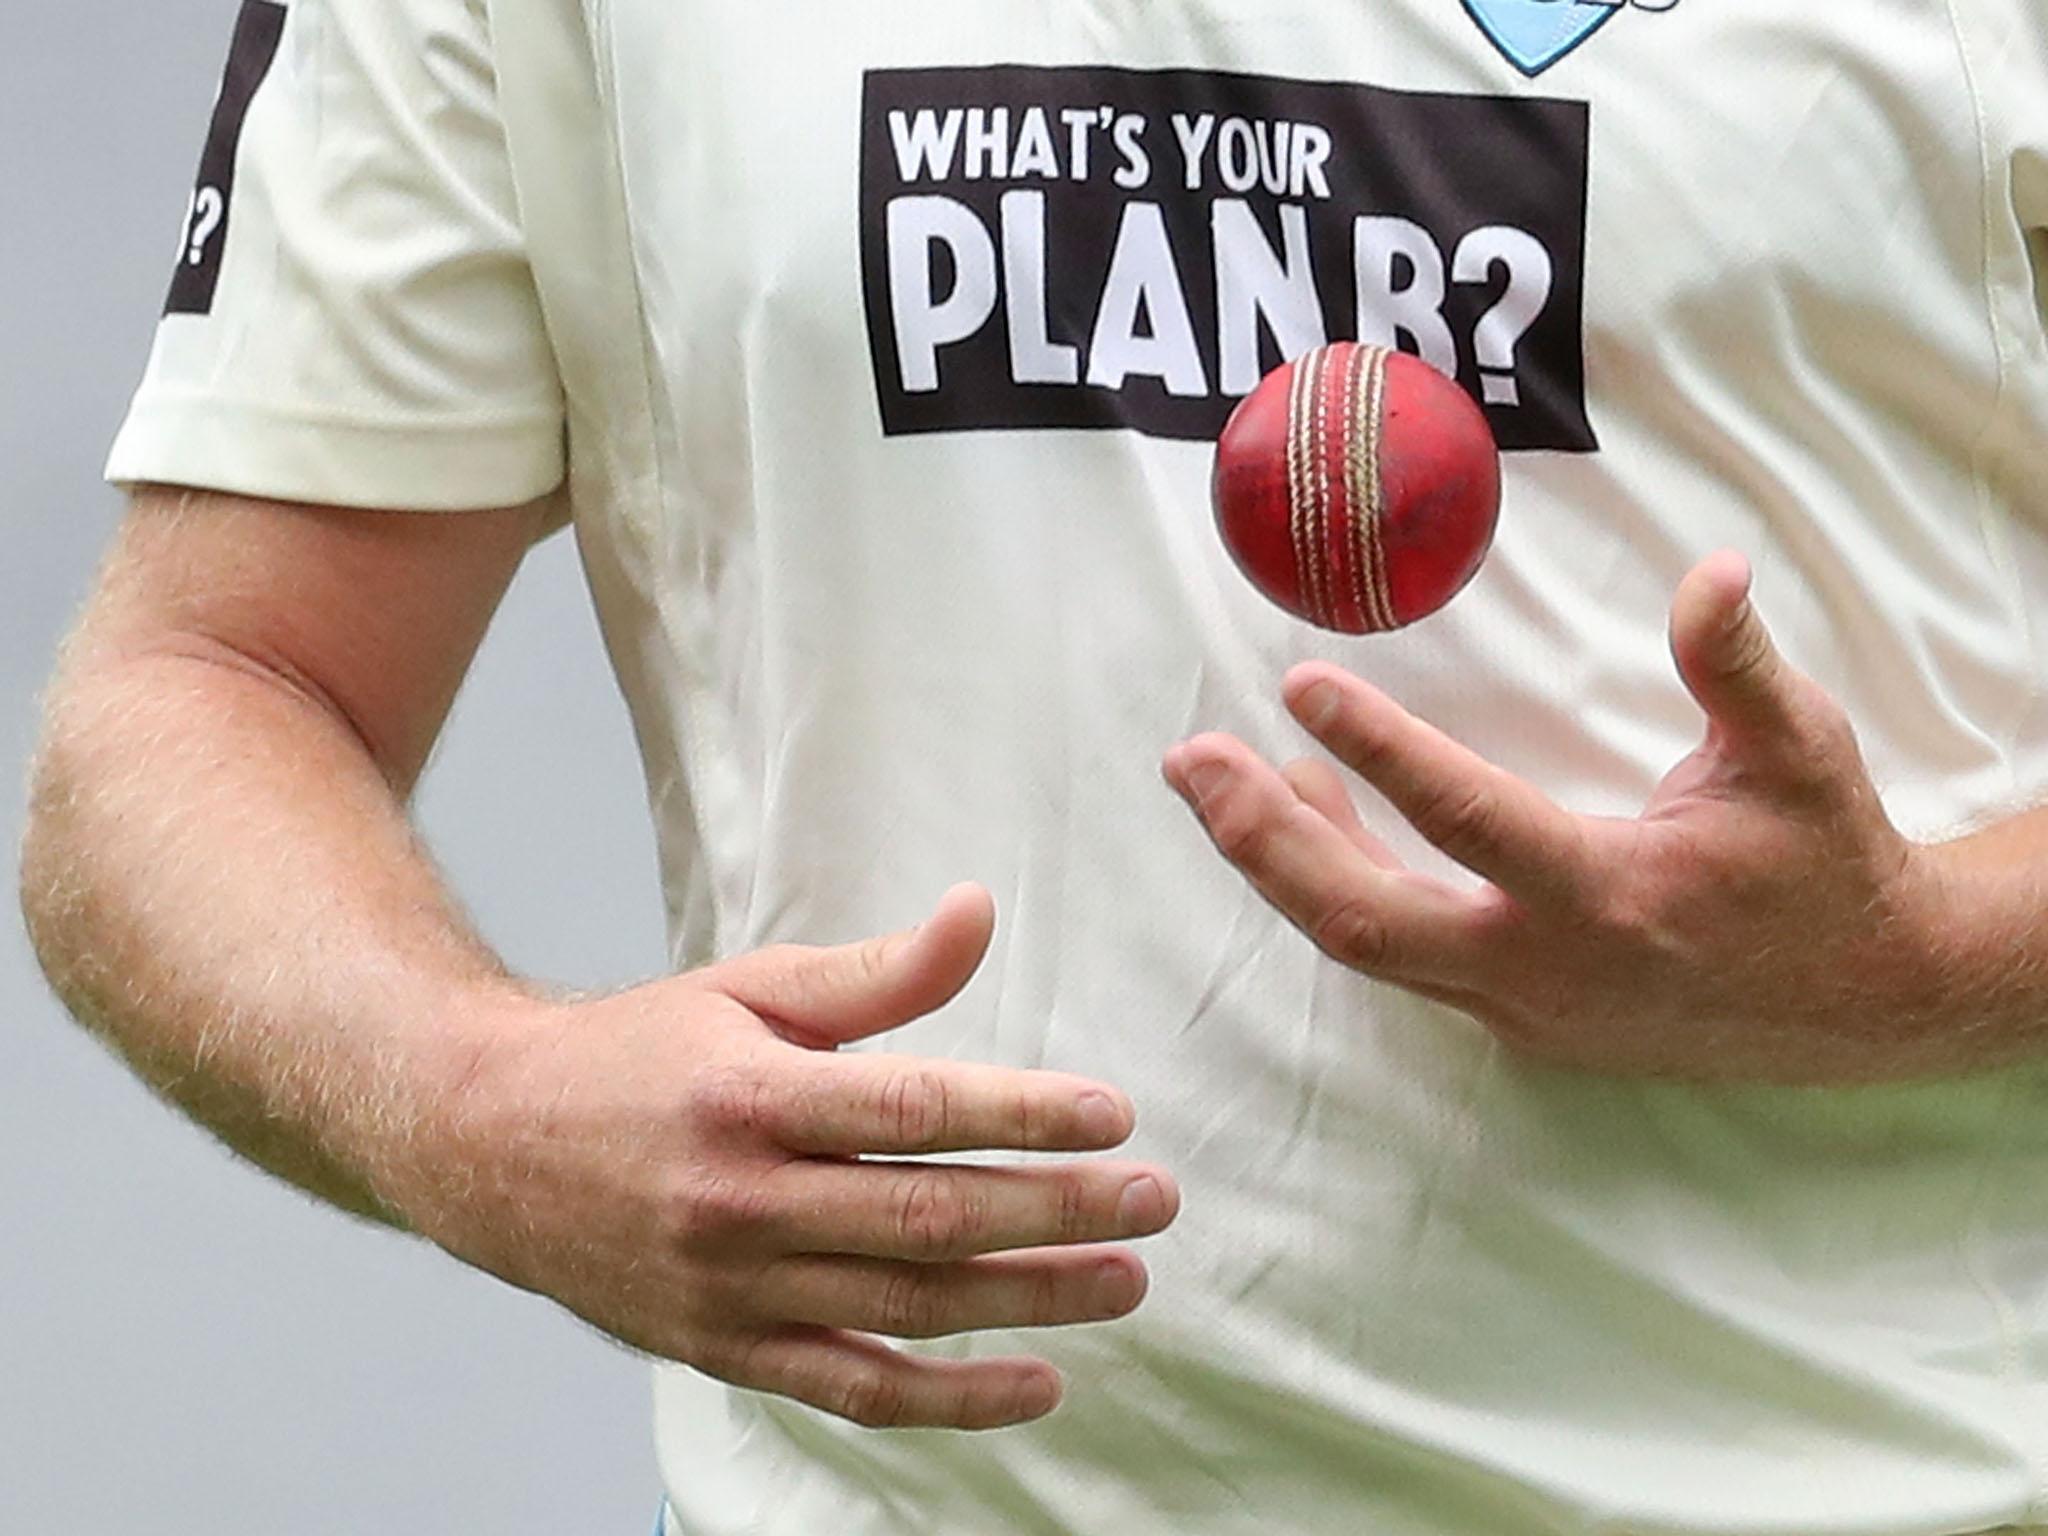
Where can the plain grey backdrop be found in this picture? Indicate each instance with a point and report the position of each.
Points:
(186, 1347)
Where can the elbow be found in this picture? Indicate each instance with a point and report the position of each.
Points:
(50, 884)
(58, 877)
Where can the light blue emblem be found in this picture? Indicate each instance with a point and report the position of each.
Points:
(1535, 34)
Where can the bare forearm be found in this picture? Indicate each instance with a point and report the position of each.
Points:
(221, 883)
(1991, 946)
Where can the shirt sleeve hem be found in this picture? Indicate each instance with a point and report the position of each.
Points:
(407, 466)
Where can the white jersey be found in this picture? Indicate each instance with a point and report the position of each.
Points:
(886, 344)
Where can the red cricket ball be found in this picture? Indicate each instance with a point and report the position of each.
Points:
(1357, 487)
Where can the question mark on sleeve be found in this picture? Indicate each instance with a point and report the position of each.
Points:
(1501, 328)
(208, 209)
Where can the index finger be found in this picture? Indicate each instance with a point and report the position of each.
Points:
(1490, 821)
(1391, 923)
(848, 1104)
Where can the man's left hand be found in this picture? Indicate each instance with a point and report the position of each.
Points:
(1762, 920)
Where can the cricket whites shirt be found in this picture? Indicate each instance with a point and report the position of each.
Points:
(881, 348)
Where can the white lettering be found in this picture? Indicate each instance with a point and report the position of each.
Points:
(988, 143)
(1194, 138)
(1311, 153)
(925, 322)
(1129, 136)
(1034, 357)
(1380, 246)
(1080, 123)
(1035, 155)
(1252, 282)
(924, 144)
(1273, 139)
(1237, 156)
(1530, 274)
(1142, 279)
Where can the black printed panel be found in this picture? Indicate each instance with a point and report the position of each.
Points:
(258, 31)
(1124, 248)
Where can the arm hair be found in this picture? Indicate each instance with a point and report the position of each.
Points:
(218, 872)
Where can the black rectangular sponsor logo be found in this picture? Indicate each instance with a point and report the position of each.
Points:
(258, 31)
(1098, 247)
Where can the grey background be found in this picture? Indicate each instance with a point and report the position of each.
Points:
(186, 1347)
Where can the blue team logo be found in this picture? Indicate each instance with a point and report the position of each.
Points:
(1535, 34)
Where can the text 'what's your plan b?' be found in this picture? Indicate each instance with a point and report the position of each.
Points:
(1118, 248)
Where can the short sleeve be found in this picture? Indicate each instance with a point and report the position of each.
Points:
(2005, 50)
(352, 320)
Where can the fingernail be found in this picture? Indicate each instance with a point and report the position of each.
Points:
(1317, 706)
(1205, 779)
(1039, 1396)
(1116, 1288)
(1101, 1117)
(1143, 1203)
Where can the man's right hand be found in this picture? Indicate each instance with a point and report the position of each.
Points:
(220, 878)
(690, 1166)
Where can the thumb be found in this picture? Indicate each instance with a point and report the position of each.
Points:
(1727, 658)
(825, 997)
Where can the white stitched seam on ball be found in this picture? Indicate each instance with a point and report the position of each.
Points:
(1314, 492)
(1370, 551)
(1349, 386)
(1319, 461)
